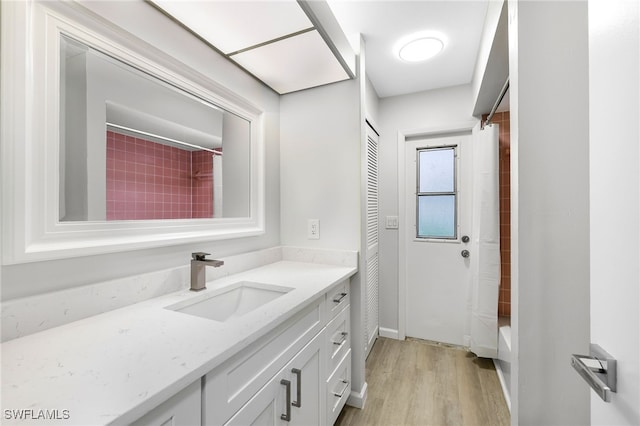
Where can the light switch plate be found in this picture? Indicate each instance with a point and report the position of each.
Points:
(313, 229)
(392, 222)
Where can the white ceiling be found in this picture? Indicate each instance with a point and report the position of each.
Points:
(292, 54)
(237, 25)
(383, 22)
(274, 40)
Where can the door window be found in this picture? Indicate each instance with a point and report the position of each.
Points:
(436, 194)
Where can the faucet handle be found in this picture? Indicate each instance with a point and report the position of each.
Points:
(199, 255)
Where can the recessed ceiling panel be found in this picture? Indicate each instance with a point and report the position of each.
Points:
(293, 63)
(235, 25)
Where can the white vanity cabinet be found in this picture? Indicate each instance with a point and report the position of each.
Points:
(234, 383)
(306, 360)
(338, 348)
(294, 396)
(184, 408)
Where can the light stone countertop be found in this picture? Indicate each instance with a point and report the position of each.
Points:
(116, 366)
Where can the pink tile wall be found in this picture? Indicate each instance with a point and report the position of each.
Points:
(147, 180)
(503, 119)
(202, 184)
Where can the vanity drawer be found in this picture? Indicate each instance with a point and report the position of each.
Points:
(338, 338)
(229, 386)
(337, 299)
(338, 388)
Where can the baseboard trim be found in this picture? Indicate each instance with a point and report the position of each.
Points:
(388, 333)
(358, 399)
(503, 383)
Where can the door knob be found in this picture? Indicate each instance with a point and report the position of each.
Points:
(465, 253)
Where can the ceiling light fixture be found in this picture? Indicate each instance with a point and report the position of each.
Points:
(419, 47)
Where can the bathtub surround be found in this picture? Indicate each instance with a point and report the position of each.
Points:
(502, 119)
(180, 189)
(503, 361)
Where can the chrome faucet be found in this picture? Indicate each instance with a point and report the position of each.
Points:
(199, 264)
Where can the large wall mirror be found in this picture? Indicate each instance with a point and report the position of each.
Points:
(128, 149)
(133, 147)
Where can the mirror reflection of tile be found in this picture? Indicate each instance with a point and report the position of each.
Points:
(148, 180)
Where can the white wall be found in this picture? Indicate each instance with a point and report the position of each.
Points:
(147, 23)
(403, 113)
(614, 108)
(74, 180)
(320, 165)
(236, 169)
(320, 147)
(550, 210)
(372, 103)
(491, 65)
(488, 32)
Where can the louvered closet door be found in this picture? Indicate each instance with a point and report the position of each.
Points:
(371, 251)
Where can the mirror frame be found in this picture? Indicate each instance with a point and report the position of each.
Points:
(31, 230)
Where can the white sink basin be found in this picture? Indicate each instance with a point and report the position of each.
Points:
(232, 301)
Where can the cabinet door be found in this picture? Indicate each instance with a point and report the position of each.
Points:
(229, 387)
(271, 407)
(265, 408)
(182, 409)
(306, 372)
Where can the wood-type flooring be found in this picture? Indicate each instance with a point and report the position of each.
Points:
(415, 382)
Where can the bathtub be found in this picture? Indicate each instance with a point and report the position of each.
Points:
(503, 362)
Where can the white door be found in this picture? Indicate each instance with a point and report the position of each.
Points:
(438, 277)
(371, 252)
(615, 201)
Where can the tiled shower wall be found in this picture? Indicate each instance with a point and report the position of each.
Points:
(504, 301)
(148, 180)
(202, 184)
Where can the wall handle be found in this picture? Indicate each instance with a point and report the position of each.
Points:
(598, 369)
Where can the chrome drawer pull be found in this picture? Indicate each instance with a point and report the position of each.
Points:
(339, 298)
(344, 389)
(298, 373)
(344, 335)
(287, 416)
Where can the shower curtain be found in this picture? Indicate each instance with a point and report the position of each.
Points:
(485, 253)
